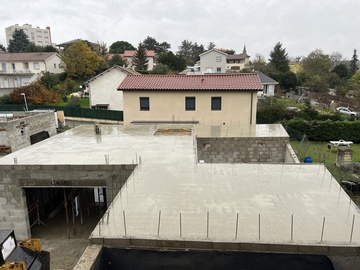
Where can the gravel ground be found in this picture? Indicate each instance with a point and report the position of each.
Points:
(65, 246)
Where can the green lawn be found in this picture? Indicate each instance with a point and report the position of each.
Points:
(319, 153)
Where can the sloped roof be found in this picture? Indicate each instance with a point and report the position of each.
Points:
(128, 71)
(266, 79)
(35, 56)
(131, 53)
(213, 50)
(233, 82)
(237, 56)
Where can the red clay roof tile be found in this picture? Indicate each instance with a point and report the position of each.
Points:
(234, 82)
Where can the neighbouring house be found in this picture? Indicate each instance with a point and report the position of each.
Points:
(102, 88)
(62, 46)
(213, 61)
(215, 99)
(38, 36)
(20, 69)
(238, 62)
(128, 56)
(269, 85)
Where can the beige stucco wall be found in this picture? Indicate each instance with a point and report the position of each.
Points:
(103, 90)
(51, 62)
(208, 60)
(237, 107)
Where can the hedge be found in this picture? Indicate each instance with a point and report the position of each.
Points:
(324, 130)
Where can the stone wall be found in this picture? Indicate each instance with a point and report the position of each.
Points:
(242, 150)
(15, 178)
(16, 132)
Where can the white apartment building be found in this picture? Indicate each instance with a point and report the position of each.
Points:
(37, 35)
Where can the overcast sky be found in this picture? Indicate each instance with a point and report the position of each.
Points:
(300, 25)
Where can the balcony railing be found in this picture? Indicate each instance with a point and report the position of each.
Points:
(16, 72)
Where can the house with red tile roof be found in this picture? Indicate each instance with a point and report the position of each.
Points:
(102, 88)
(128, 56)
(216, 99)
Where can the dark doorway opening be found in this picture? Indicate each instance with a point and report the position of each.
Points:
(56, 213)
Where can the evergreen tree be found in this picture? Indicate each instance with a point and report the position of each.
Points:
(2, 48)
(279, 58)
(353, 64)
(140, 60)
(19, 42)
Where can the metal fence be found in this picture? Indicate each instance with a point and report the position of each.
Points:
(69, 111)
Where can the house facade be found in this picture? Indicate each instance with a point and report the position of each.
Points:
(213, 61)
(20, 69)
(102, 88)
(237, 62)
(128, 56)
(37, 35)
(201, 99)
(269, 85)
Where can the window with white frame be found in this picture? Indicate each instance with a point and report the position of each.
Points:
(36, 66)
(218, 58)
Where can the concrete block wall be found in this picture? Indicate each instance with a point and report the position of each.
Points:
(242, 150)
(17, 132)
(15, 178)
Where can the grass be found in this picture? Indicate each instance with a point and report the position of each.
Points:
(319, 153)
(84, 103)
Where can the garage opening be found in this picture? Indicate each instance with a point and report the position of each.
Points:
(57, 213)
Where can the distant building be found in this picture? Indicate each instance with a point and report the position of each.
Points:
(238, 62)
(211, 99)
(37, 35)
(213, 61)
(20, 69)
(269, 85)
(128, 56)
(102, 88)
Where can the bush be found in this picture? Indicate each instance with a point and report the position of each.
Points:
(324, 130)
(73, 102)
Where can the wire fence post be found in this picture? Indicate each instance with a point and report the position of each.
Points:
(159, 223)
(352, 228)
(237, 225)
(322, 231)
(207, 225)
(124, 222)
(180, 226)
(292, 227)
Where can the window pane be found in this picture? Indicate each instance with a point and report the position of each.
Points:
(216, 103)
(144, 104)
(190, 103)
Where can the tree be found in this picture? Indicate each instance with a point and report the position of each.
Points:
(210, 46)
(279, 58)
(317, 63)
(150, 43)
(228, 51)
(19, 41)
(2, 48)
(120, 47)
(190, 51)
(341, 70)
(175, 63)
(103, 49)
(35, 93)
(160, 69)
(353, 64)
(336, 59)
(140, 59)
(116, 60)
(81, 62)
(259, 62)
(289, 80)
(35, 48)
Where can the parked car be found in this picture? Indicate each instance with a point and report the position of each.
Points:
(347, 111)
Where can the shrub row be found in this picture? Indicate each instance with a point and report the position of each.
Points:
(324, 130)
